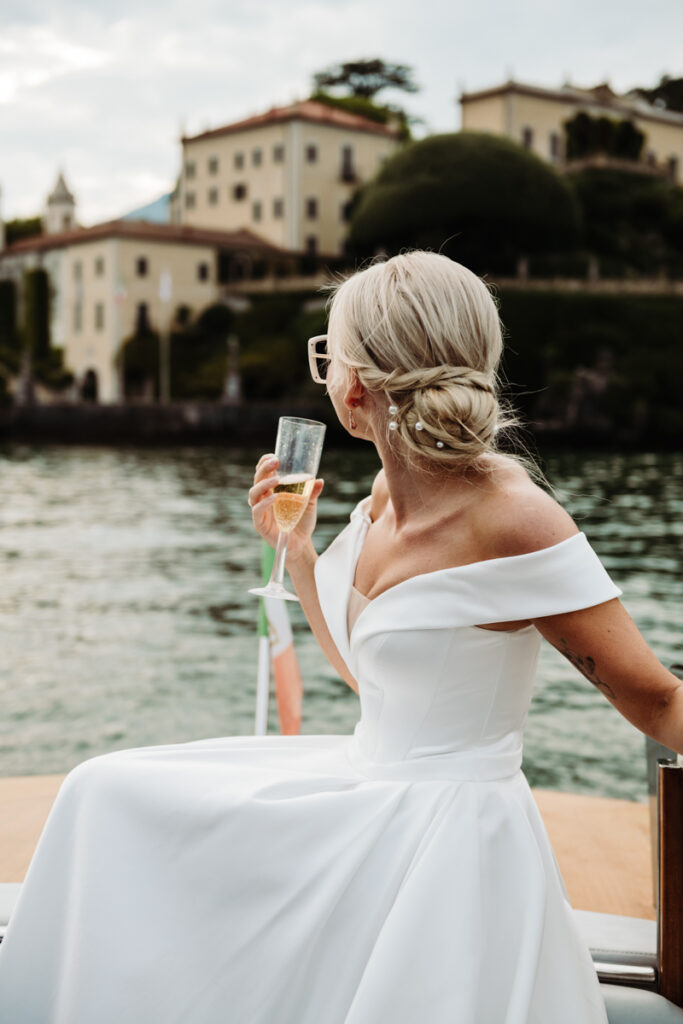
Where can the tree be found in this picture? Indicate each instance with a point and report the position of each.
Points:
(17, 229)
(480, 198)
(587, 135)
(373, 111)
(669, 93)
(633, 222)
(366, 77)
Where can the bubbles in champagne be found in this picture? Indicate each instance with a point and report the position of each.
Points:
(291, 498)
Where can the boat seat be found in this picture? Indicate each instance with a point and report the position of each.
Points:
(626, 1005)
(615, 939)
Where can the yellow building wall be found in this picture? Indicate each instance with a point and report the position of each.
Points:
(264, 182)
(119, 290)
(322, 181)
(485, 115)
(510, 113)
(290, 182)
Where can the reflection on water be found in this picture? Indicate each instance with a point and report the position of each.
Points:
(125, 618)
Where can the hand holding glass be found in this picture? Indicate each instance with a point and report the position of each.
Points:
(298, 448)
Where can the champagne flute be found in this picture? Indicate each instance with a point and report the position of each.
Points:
(298, 448)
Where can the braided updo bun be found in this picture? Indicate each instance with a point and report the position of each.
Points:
(425, 331)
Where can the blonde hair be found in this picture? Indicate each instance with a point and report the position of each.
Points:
(425, 331)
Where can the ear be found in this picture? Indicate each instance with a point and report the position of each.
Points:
(355, 392)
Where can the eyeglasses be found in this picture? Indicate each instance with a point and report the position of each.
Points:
(318, 358)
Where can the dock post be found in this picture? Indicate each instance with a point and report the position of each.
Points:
(670, 879)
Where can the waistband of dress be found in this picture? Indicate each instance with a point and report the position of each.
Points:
(456, 766)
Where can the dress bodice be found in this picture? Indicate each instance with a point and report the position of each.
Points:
(432, 684)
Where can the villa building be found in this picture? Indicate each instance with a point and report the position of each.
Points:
(536, 116)
(107, 280)
(287, 175)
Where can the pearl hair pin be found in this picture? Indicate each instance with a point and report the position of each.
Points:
(439, 444)
(418, 426)
(393, 425)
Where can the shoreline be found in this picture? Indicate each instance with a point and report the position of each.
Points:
(602, 844)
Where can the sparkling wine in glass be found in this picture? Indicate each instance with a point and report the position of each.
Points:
(298, 448)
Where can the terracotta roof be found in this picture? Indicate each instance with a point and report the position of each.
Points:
(305, 110)
(147, 232)
(600, 96)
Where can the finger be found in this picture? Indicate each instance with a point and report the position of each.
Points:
(263, 504)
(257, 492)
(317, 489)
(265, 467)
(267, 457)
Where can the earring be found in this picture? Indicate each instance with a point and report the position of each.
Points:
(352, 422)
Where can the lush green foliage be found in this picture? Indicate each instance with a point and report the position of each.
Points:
(631, 342)
(587, 135)
(480, 198)
(632, 222)
(366, 108)
(669, 91)
(366, 77)
(37, 312)
(17, 229)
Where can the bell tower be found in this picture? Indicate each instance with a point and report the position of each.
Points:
(60, 214)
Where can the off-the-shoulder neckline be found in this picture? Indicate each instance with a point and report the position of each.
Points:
(360, 513)
(365, 516)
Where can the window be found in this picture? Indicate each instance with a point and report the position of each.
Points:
(66, 222)
(239, 192)
(213, 165)
(345, 212)
(651, 158)
(347, 169)
(189, 200)
(190, 169)
(239, 161)
(142, 319)
(278, 154)
(99, 316)
(141, 266)
(78, 316)
(555, 150)
(78, 271)
(311, 154)
(278, 208)
(527, 137)
(99, 266)
(311, 245)
(256, 210)
(256, 157)
(672, 164)
(213, 196)
(311, 209)
(203, 271)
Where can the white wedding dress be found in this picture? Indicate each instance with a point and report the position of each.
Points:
(401, 875)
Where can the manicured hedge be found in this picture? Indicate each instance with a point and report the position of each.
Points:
(633, 342)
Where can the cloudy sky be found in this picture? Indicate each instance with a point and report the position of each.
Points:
(103, 90)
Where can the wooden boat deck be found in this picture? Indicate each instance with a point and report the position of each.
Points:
(602, 845)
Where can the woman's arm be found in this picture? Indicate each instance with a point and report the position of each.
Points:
(301, 556)
(605, 645)
(301, 571)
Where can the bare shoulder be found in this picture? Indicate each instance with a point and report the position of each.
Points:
(517, 516)
(379, 495)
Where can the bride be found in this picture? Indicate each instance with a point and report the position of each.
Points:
(401, 874)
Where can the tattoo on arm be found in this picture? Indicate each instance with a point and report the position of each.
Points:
(586, 666)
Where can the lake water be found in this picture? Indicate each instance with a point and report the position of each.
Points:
(125, 618)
